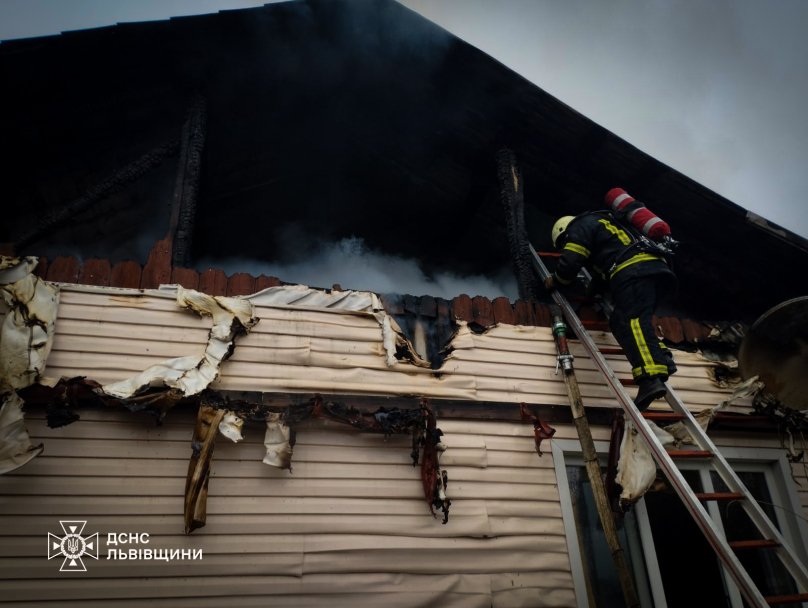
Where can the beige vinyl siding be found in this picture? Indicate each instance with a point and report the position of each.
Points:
(349, 526)
(110, 337)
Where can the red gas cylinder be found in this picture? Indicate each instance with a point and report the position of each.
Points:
(623, 205)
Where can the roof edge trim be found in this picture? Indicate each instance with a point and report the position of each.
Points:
(776, 230)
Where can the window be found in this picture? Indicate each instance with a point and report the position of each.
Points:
(672, 563)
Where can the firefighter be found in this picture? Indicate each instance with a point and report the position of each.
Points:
(637, 278)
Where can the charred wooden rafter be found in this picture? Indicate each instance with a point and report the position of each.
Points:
(100, 191)
(511, 189)
(186, 187)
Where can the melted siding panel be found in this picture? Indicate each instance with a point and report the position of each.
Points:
(108, 337)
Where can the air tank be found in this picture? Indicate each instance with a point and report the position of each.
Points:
(626, 207)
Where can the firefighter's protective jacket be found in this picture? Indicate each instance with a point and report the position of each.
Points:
(635, 277)
(595, 240)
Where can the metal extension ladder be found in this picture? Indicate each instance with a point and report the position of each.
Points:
(692, 500)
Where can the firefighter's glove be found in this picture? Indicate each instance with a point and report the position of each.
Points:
(549, 283)
(595, 287)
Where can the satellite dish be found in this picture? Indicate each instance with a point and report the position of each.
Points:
(776, 349)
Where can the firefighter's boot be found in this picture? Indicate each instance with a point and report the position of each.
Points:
(651, 389)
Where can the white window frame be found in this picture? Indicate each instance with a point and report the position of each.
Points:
(769, 461)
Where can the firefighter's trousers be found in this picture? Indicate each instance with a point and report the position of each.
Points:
(634, 303)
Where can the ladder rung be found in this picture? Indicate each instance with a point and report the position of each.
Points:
(719, 495)
(662, 416)
(628, 382)
(774, 600)
(595, 325)
(611, 351)
(677, 481)
(754, 544)
(690, 454)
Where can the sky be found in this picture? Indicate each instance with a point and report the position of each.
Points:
(715, 89)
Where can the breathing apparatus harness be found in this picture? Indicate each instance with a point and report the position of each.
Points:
(664, 248)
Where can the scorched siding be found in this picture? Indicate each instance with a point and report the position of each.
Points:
(108, 336)
(349, 522)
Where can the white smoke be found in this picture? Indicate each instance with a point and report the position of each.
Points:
(352, 265)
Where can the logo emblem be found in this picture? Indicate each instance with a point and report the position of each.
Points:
(73, 546)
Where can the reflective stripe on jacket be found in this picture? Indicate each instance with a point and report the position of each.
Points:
(598, 242)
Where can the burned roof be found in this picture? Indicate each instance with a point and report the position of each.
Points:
(318, 120)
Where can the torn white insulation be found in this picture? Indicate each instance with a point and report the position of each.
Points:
(415, 349)
(26, 334)
(389, 341)
(679, 431)
(349, 301)
(192, 374)
(744, 391)
(442, 481)
(16, 448)
(301, 295)
(636, 469)
(747, 389)
(27, 330)
(276, 441)
(231, 426)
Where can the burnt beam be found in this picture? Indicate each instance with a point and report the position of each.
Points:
(186, 186)
(100, 191)
(511, 192)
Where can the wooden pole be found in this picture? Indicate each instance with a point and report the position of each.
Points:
(592, 462)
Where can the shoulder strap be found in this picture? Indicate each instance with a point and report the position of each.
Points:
(640, 241)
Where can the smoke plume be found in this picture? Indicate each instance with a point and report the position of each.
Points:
(352, 265)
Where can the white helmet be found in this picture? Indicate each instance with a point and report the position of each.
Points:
(560, 226)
